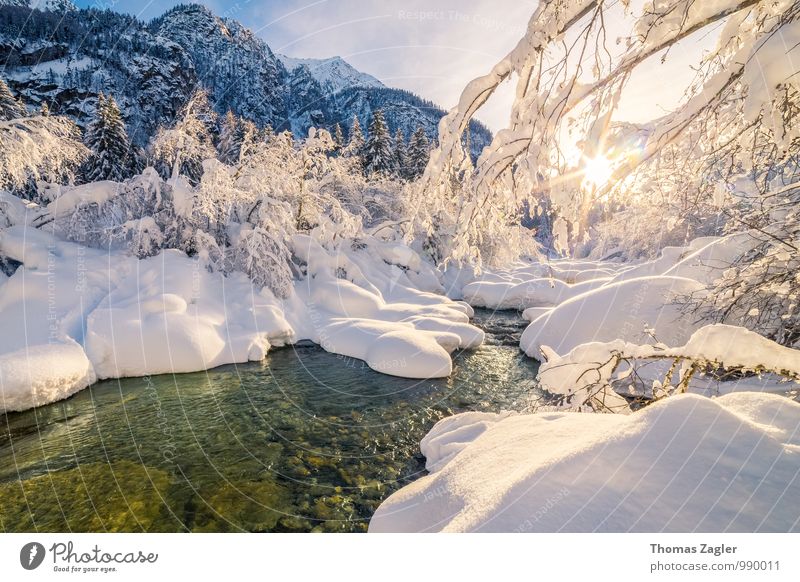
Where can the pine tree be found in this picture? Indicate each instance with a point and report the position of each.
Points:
(356, 143)
(378, 155)
(230, 138)
(418, 154)
(10, 107)
(400, 154)
(135, 161)
(108, 143)
(338, 137)
(249, 136)
(355, 147)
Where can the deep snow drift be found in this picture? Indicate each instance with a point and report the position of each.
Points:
(687, 463)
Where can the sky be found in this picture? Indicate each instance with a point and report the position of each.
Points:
(432, 48)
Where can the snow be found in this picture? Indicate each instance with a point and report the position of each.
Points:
(334, 74)
(624, 310)
(40, 374)
(171, 315)
(723, 344)
(704, 259)
(693, 461)
(41, 70)
(69, 198)
(44, 5)
(525, 294)
(83, 314)
(687, 463)
(589, 368)
(393, 349)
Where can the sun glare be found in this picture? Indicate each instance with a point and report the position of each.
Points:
(597, 171)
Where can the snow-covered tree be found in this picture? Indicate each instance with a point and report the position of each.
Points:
(230, 138)
(266, 134)
(563, 142)
(400, 154)
(250, 136)
(10, 107)
(418, 154)
(594, 375)
(355, 144)
(378, 154)
(338, 137)
(182, 149)
(108, 143)
(39, 148)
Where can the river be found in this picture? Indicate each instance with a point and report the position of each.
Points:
(303, 441)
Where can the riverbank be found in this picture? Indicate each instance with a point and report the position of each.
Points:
(304, 441)
(81, 314)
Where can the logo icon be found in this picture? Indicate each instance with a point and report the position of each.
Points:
(31, 555)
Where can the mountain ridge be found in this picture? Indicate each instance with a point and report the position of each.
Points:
(66, 57)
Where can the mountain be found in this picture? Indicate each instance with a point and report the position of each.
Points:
(65, 57)
(238, 69)
(333, 74)
(52, 5)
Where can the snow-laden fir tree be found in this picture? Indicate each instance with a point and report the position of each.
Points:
(338, 137)
(355, 146)
(250, 135)
(400, 154)
(418, 154)
(10, 108)
(108, 143)
(378, 151)
(266, 134)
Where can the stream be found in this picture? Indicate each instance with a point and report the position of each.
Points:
(303, 441)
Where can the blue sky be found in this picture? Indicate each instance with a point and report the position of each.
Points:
(432, 48)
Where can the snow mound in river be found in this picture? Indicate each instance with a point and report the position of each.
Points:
(687, 463)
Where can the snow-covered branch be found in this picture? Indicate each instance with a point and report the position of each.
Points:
(590, 374)
(38, 148)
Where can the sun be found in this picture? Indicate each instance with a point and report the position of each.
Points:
(597, 171)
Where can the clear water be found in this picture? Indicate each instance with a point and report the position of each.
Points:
(304, 441)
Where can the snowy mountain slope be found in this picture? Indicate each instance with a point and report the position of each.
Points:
(333, 74)
(52, 5)
(401, 109)
(66, 59)
(238, 69)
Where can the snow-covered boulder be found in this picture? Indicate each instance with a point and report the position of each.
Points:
(174, 316)
(43, 373)
(687, 463)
